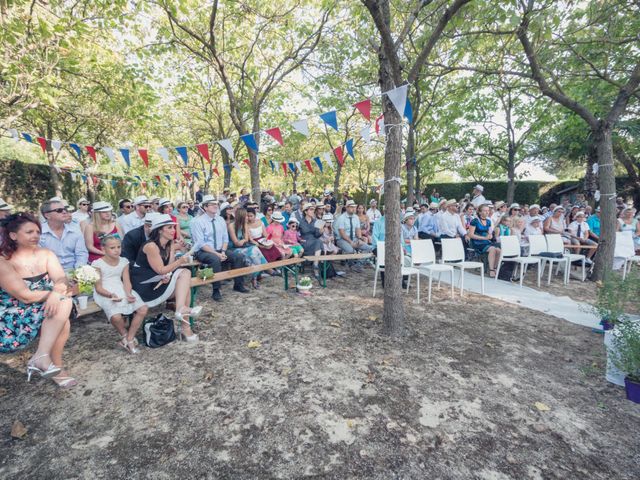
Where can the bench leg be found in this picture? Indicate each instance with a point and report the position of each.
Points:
(324, 274)
(194, 295)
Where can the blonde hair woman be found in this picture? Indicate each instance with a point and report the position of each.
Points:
(101, 226)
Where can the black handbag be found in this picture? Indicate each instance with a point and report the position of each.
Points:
(158, 331)
(551, 254)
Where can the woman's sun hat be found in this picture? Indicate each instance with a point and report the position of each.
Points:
(161, 220)
(277, 217)
(327, 217)
(102, 207)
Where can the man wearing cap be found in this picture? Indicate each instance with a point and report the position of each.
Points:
(5, 209)
(135, 219)
(134, 240)
(350, 239)
(450, 224)
(210, 238)
(373, 213)
(579, 229)
(594, 225)
(534, 211)
(63, 239)
(428, 223)
(478, 199)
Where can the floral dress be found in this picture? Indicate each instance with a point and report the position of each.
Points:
(20, 322)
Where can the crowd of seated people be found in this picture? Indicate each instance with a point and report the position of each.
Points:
(141, 250)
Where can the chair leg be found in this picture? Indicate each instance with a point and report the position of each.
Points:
(539, 275)
(482, 279)
(461, 282)
(439, 279)
(624, 270)
(452, 282)
(567, 271)
(408, 282)
(550, 273)
(584, 271)
(418, 286)
(521, 274)
(430, 284)
(498, 270)
(375, 281)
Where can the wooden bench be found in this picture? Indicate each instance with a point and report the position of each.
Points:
(324, 259)
(288, 266)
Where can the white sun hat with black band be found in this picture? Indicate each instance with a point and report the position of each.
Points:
(102, 207)
(164, 201)
(161, 220)
(277, 217)
(4, 206)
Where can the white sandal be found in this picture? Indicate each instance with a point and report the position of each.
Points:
(51, 370)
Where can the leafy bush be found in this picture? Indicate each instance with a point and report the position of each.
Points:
(626, 356)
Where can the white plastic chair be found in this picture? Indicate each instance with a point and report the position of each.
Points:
(423, 258)
(510, 252)
(404, 270)
(626, 249)
(537, 245)
(556, 245)
(453, 254)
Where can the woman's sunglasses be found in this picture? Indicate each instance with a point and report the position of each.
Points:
(58, 210)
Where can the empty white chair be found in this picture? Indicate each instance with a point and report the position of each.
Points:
(453, 254)
(404, 270)
(537, 245)
(423, 258)
(625, 249)
(556, 245)
(510, 252)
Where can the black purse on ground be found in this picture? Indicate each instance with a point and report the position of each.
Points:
(158, 331)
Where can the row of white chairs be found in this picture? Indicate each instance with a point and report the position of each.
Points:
(626, 250)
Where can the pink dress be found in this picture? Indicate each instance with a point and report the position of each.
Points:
(328, 241)
(275, 233)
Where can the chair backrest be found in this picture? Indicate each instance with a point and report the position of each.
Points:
(380, 254)
(452, 250)
(510, 246)
(422, 252)
(624, 245)
(554, 243)
(537, 244)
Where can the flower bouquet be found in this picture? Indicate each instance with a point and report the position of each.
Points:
(86, 277)
(205, 273)
(304, 284)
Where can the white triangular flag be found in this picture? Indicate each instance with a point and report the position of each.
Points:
(164, 153)
(594, 168)
(299, 167)
(327, 158)
(108, 151)
(227, 145)
(56, 145)
(398, 97)
(365, 133)
(301, 126)
(57, 168)
(236, 165)
(73, 176)
(14, 134)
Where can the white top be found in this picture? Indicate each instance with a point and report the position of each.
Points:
(130, 221)
(450, 225)
(79, 216)
(373, 214)
(111, 278)
(584, 229)
(478, 200)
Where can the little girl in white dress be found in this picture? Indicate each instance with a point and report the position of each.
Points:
(114, 295)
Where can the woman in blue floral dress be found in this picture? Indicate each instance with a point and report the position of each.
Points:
(33, 298)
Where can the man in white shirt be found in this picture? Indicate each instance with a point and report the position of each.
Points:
(450, 224)
(478, 199)
(373, 213)
(135, 219)
(349, 237)
(500, 209)
(579, 229)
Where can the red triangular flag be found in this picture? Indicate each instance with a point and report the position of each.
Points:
(364, 107)
(187, 175)
(144, 184)
(203, 148)
(246, 160)
(284, 167)
(92, 153)
(158, 178)
(144, 155)
(43, 143)
(339, 154)
(308, 164)
(275, 134)
(215, 170)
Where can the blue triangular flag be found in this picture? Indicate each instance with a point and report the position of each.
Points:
(250, 141)
(27, 137)
(292, 167)
(195, 174)
(408, 111)
(349, 145)
(84, 178)
(135, 184)
(318, 162)
(331, 119)
(273, 167)
(168, 177)
(155, 183)
(182, 151)
(125, 156)
(77, 149)
(227, 167)
(114, 183)
(138, 177)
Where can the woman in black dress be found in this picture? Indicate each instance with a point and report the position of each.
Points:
(311, 235)
(157, 259)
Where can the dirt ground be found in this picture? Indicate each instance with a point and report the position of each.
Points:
(325, 395)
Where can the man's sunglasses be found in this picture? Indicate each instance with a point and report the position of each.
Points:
(127, 206)
(84, 204)
(58, 210)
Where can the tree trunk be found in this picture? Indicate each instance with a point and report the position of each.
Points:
(418, 179)
(590, 178)
(411, 166)
(606, 173)
(630, 166)
(511, 176)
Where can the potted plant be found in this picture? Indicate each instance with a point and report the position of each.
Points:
(626, 356)
(304, 284)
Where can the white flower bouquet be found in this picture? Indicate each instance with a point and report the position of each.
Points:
(86, 276)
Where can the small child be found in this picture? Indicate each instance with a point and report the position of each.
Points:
(114, 295)
(292, 237)
(328, 238)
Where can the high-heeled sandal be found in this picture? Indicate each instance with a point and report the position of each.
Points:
(194, 313)
(51, 370)
(129, 346)
(65, 381)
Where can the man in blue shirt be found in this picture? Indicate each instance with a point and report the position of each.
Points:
(594, 225)
(62, 237)
(210, 239)
(428, 224)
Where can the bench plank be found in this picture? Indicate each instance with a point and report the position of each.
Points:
(241, 272)
(339, 256)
